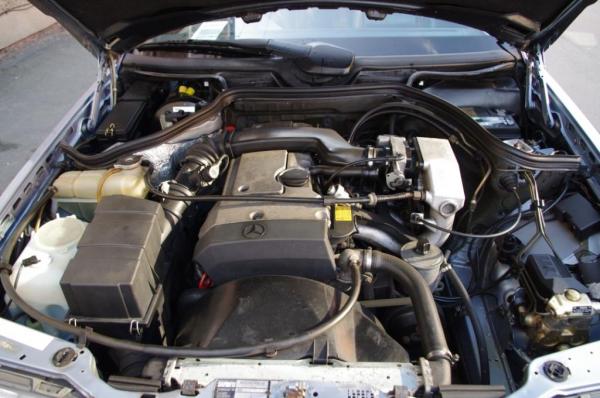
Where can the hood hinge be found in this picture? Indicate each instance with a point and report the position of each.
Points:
(106, 85)
(536, 87)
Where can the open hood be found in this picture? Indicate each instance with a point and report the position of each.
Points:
(121, 25)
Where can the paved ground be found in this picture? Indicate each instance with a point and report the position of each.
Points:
(41, 81)
(38, 84)
(574, 60)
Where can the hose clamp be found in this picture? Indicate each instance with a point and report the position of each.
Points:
(367, 260)
(4, 267)
(134, 328)
(538, 204)
(442, 354)
(445, 267)
(371, 152)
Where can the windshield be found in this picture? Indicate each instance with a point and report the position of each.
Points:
(396, 34)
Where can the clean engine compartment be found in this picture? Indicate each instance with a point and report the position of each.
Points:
(321, 225)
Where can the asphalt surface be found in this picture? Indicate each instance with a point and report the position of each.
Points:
(39, 83)
(42, 79)
(574, 60)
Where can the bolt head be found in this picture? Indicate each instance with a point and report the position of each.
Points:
(556, 371)
(448, 208)
(423, 246)
(63, 357)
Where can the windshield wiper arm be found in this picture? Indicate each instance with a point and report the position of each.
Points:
(315, 58)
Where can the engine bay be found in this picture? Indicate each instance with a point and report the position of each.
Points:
(372, 227)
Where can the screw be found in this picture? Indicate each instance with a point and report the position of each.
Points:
(63, 357)
(572, 295)
(367, 277)
(423, 246)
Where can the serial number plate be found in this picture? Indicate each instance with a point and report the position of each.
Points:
(242, 389)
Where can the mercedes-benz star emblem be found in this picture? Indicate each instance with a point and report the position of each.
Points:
(253, 230)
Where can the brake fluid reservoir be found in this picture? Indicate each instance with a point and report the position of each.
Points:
(39, 268)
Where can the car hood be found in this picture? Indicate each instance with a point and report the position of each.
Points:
(121, 25)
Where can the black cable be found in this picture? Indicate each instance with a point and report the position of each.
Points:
(356, 163)
(226, 198)
(159, 350)
(420, 220)
(500, 224)
(372, 199)
(457, 122)
(393, 108)
(324, 201)
(459, 74)
(484, 365)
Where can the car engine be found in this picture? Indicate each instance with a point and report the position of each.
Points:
(379, 230)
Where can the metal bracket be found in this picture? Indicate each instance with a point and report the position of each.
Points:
(321, 353)
(426, 377)
(107, 75)
(536, 72)
(134, 328)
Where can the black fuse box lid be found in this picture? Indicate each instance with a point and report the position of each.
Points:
(113, 277)
(122, 121)
(579, 213)
(551, 276)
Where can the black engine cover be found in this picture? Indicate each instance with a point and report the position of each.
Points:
(266, 308)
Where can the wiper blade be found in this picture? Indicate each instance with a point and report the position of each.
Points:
(204, 45)
(315, 58)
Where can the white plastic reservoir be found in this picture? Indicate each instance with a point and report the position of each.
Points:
(39, 268)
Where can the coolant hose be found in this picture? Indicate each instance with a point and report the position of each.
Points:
(484, 366)
(426, 312)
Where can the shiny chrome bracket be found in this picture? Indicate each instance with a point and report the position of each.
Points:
(106, 80)
(536, 86)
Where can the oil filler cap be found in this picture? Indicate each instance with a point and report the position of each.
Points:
(294, 177)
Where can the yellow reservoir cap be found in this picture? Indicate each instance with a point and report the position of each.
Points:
(190, 91)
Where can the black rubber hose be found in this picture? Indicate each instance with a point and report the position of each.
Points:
(158, 350)
(326, 144)
(459, 74)
(349, 172)
(430, 106)
(368, 162)
(373, 235)
(484, 365)
(428, 319)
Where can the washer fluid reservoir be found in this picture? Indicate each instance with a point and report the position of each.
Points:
(39, 268)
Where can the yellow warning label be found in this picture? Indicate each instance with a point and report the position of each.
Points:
(343, 213)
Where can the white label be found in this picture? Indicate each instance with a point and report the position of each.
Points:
(24, 335)
(183, 108)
